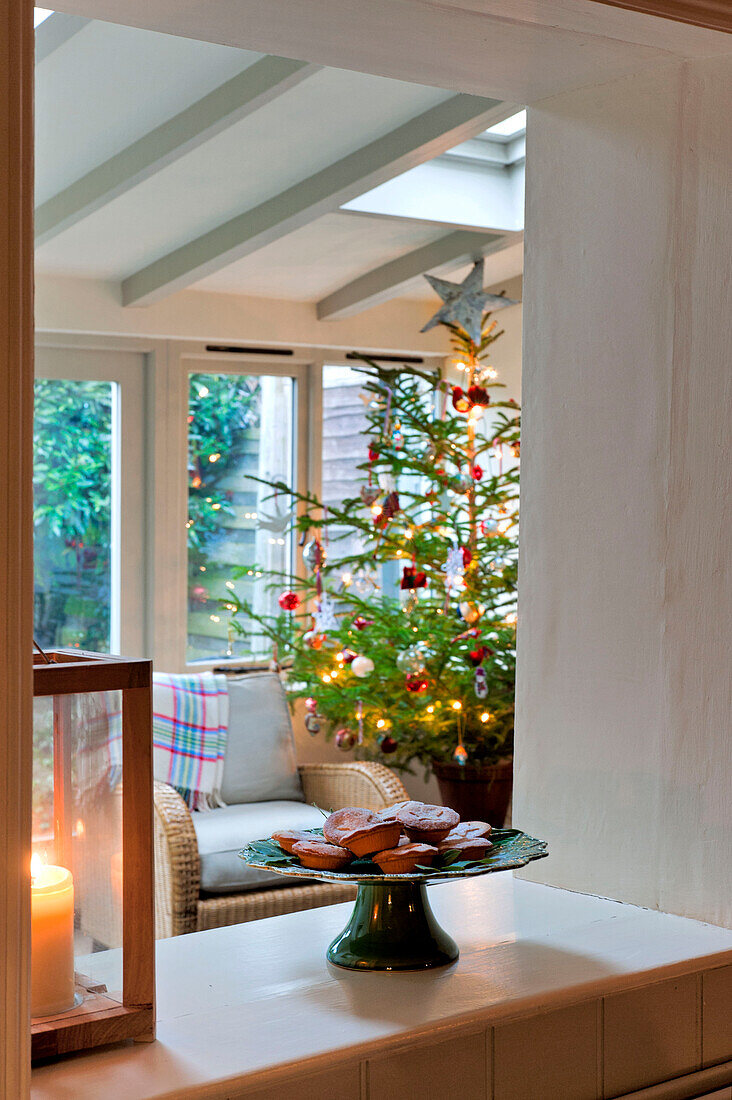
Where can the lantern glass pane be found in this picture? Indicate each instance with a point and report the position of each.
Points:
(77, 819)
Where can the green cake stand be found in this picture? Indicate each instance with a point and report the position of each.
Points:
(392, 926)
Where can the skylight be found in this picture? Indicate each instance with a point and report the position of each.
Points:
(39, 14)
(510, 127)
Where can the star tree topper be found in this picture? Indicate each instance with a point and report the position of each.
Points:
(465, 303)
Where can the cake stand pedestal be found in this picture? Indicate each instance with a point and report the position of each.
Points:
(392, 927)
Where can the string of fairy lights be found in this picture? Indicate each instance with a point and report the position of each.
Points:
(366, 715)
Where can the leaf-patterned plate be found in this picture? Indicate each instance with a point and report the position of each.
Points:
(511, 848)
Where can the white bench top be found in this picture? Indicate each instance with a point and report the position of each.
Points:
(240, 1001)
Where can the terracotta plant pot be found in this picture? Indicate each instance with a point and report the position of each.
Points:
(477, 792)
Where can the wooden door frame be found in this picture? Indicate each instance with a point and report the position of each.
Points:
(715, 15)
(16, 535)
(16, 560)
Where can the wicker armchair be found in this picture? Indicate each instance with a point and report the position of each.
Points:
(179, 907)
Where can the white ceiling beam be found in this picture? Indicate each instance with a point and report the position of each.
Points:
(449, 190)
(391, 279)
(232, 101)
(54, 31)
(510, 49)
(416, 141)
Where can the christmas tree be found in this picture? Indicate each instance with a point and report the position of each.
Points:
(421, 670)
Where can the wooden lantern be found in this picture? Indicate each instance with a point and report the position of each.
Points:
(109, 850)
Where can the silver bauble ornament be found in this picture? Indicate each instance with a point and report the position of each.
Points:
(313, 554)
(363, 583)
(462, 483)
(370, 494)
(414, 658)
(409, 660)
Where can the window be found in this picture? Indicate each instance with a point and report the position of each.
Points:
(240, 428)
(345, 449)
(89, 470)
(510, 127)
(73, 438)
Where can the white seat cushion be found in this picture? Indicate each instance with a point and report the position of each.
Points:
(222, 833)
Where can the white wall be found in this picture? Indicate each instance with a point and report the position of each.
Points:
(65, 304)
(69, 305)
(624, 755)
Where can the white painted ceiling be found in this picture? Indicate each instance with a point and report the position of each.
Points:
(317, 259)
(107, 86)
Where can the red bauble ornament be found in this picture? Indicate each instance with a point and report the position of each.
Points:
(388, 744)
(477, 655)
(416, 683)
(361, 623)
(289, 601)
(467, 557)
(412, 579)
(373, 452)
(460, 400)
(478, 396)
(477, 473)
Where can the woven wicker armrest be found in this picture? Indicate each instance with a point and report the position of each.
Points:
(177, 868)
(332, 786)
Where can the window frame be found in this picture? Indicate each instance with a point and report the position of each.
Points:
(246, 366)
(75, 361)
(153, 577)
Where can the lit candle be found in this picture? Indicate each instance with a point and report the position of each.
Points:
(52, 939)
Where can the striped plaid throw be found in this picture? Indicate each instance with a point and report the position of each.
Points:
(190, 725)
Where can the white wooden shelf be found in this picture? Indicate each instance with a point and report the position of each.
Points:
(591, 997)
